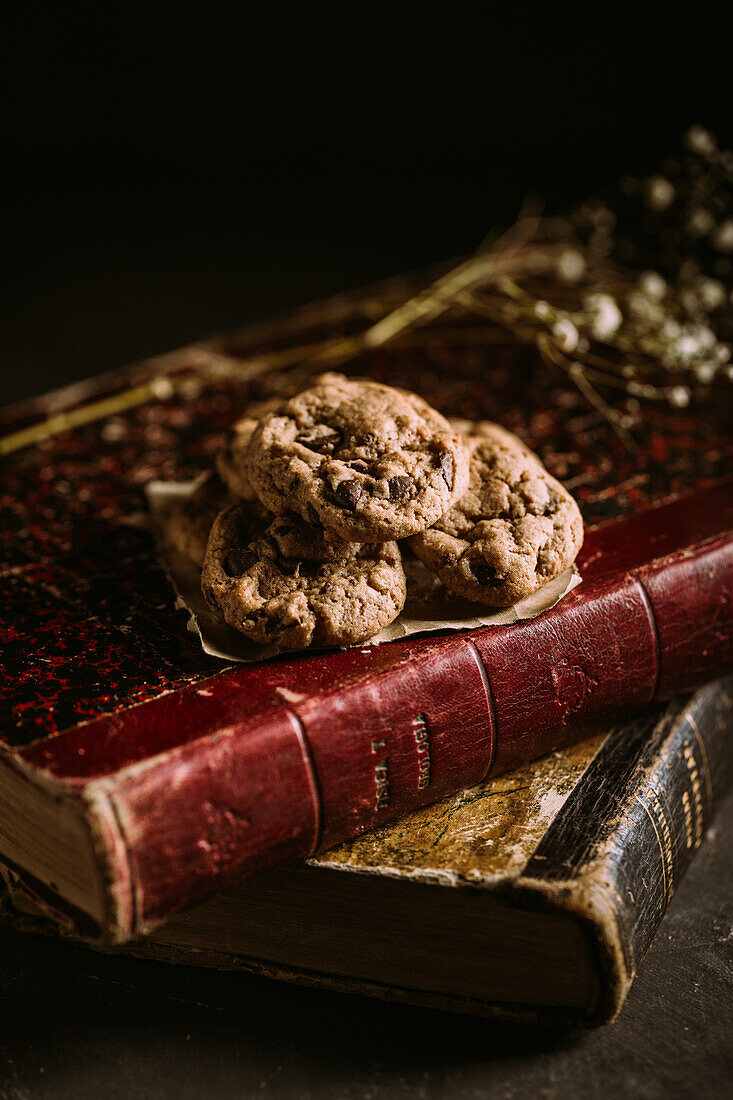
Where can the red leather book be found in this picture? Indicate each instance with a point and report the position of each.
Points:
(139, 775)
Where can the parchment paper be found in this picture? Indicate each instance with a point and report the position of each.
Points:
(429, 608)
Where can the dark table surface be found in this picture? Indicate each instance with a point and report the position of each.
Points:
(74, 1023)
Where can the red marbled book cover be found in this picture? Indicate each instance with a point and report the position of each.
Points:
(191, 773)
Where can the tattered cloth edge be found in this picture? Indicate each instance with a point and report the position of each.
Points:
(429, 610)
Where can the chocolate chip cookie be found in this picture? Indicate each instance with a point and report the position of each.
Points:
(512, 531)
(294, 585)
(364, 460)
(190, 520)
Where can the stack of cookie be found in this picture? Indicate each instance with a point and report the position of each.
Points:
(297, 530)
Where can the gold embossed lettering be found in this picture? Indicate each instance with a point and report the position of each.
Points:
(381, 780)
(421, 733)
(697, 805)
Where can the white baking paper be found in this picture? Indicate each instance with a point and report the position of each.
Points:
(429, 608)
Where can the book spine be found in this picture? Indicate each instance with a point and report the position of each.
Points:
(616, 853)
(610, 649)
(667, 816)
(691, 597)
(199, 818)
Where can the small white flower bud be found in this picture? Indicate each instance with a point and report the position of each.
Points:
(705, 336)
(671, 329)
(705, 372)
(570, 265)
(653, 285)
(700, 222)
(566, 335)
(700, 140)
(162, 388)
(687, 347)
(660, 194)
(679, 396)
(606, 316)
(711, 294)
(723, 236)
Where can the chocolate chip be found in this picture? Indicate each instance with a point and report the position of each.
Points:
(282, 527)
(447, 468)
(399, 487)
(261, 620)
(485, 574)
(320, 439)
(237, 561)
(348, 493)
(287, 565)
(552, 505)
(368, 441)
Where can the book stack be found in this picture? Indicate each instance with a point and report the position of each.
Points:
(139, 776)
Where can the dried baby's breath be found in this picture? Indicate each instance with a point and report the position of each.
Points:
(656, 335)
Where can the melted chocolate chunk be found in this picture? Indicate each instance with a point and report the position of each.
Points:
(282, 527)
(238, 560)
(347, 493)
(485, 574)
(399, 487)
(287, 565)
(263, 621)
(368, 441)
(320, 439)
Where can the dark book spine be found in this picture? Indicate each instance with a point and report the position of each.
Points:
(619, 847)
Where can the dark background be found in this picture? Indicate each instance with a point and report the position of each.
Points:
(169, 176)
